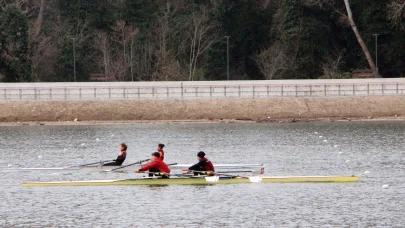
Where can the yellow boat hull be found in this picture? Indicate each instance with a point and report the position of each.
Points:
(197, 181)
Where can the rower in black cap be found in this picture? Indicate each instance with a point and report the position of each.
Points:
(203, 164)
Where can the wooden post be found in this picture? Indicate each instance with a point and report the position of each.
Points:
(353, 90)
(368, 89)
(254, 94)
(182, 95)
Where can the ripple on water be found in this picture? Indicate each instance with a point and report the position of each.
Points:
(287, 149)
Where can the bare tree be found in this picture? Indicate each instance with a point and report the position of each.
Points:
(202, 33)
(332, 63)
(169, 30)
(103, 44)
(271, 61)
(40, 19)
(123, 35)
(396, 13)
(349, 17)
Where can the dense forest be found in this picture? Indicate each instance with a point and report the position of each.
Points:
(143, 40)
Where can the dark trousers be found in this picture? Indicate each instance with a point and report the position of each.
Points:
(110, 164)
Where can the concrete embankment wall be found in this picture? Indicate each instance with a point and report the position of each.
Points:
(244, 109)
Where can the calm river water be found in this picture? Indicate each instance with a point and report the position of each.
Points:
(287, 149)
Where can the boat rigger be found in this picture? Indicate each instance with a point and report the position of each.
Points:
(197, 181)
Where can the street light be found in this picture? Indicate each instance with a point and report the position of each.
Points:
(74, 58)
(376, 55)
(227, 57)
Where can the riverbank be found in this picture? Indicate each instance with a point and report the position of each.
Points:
(90, 123)
(226, 110)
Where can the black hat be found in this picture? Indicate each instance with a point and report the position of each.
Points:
(201, 154)
(156, 154)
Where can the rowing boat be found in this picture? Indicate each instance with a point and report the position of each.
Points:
(197, 181)
(129, 168)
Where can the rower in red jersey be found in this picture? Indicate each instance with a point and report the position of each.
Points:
(161, 152)
(203, 164)
(156, 165)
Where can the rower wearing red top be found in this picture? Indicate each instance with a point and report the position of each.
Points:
(161, 152)
(156, 165)
(203, 165)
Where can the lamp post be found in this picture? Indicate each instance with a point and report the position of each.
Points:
(376, 55)
(227, 57)
(74, 58)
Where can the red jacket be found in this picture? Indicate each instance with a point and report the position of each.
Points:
(156, 164)
(208, 165)
(162, 154)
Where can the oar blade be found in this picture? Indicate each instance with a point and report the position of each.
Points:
(256, 179)
(212, 179)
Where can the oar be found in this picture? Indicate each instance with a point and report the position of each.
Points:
(99, 162)
(167, 174)
(215, 178)
(220, 172)
(159, 172)
(138, 162)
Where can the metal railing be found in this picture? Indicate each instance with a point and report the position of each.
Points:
(198, 90)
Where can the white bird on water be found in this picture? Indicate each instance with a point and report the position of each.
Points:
(83, 144)
(325, 140)
(367, 172)
(97, 139)
(39, 156)
(385, 186)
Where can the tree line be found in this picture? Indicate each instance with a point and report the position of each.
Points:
(144, 40)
